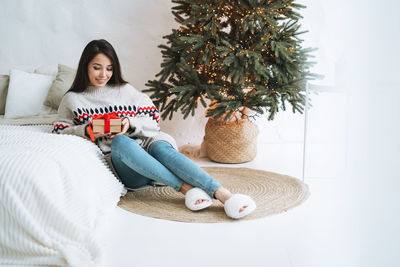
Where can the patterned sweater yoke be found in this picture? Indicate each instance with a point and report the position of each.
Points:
(76, 111)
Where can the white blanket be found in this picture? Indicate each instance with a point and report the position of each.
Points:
(55, 191)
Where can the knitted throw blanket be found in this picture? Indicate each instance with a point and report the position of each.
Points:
(55, 190)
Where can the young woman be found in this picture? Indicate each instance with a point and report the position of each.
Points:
(141, 154)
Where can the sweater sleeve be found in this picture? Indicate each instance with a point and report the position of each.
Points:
(146, 120)
(65, 120)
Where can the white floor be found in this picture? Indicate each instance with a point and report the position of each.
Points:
(350, 220)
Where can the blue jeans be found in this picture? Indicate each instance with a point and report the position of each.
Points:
(162, 163)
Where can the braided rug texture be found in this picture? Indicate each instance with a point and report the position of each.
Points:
(273, 193)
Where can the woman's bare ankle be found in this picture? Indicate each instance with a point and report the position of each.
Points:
(185, 187)
(222, 194)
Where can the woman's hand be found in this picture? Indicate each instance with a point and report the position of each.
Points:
(124, 127)
(95, 135)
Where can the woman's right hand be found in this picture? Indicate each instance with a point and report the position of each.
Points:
(124, 127)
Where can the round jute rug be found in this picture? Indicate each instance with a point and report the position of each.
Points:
(273, 193)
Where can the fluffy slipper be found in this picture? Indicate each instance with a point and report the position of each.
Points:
(195, 194)
(232, 206)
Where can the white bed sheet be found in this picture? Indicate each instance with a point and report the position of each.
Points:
(55, 192)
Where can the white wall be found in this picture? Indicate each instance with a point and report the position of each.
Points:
(364, 42)
(46, 32)
(49, 32)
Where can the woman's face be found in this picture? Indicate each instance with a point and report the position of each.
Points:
(100, 70)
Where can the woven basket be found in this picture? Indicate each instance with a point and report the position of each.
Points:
(231, 141)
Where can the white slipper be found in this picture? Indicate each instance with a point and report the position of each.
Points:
(232, 206)
(195, 194)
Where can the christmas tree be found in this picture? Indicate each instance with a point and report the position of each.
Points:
(238, 54)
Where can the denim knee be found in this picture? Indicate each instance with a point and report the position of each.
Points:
(118, 140)
(159, 144)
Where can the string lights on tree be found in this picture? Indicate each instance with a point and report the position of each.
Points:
(239, 53)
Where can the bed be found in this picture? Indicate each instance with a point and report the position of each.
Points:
(55, 190)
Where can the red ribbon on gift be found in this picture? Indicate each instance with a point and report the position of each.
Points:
(106, 118)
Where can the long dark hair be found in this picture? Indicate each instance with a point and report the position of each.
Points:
(92, 49)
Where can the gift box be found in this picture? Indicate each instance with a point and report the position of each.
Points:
(99, 125)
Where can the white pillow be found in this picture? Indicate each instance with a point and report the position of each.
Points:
(26, 93)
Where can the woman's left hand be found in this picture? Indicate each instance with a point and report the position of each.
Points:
(124, 127)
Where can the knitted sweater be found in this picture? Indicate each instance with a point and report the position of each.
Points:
(76, 111)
